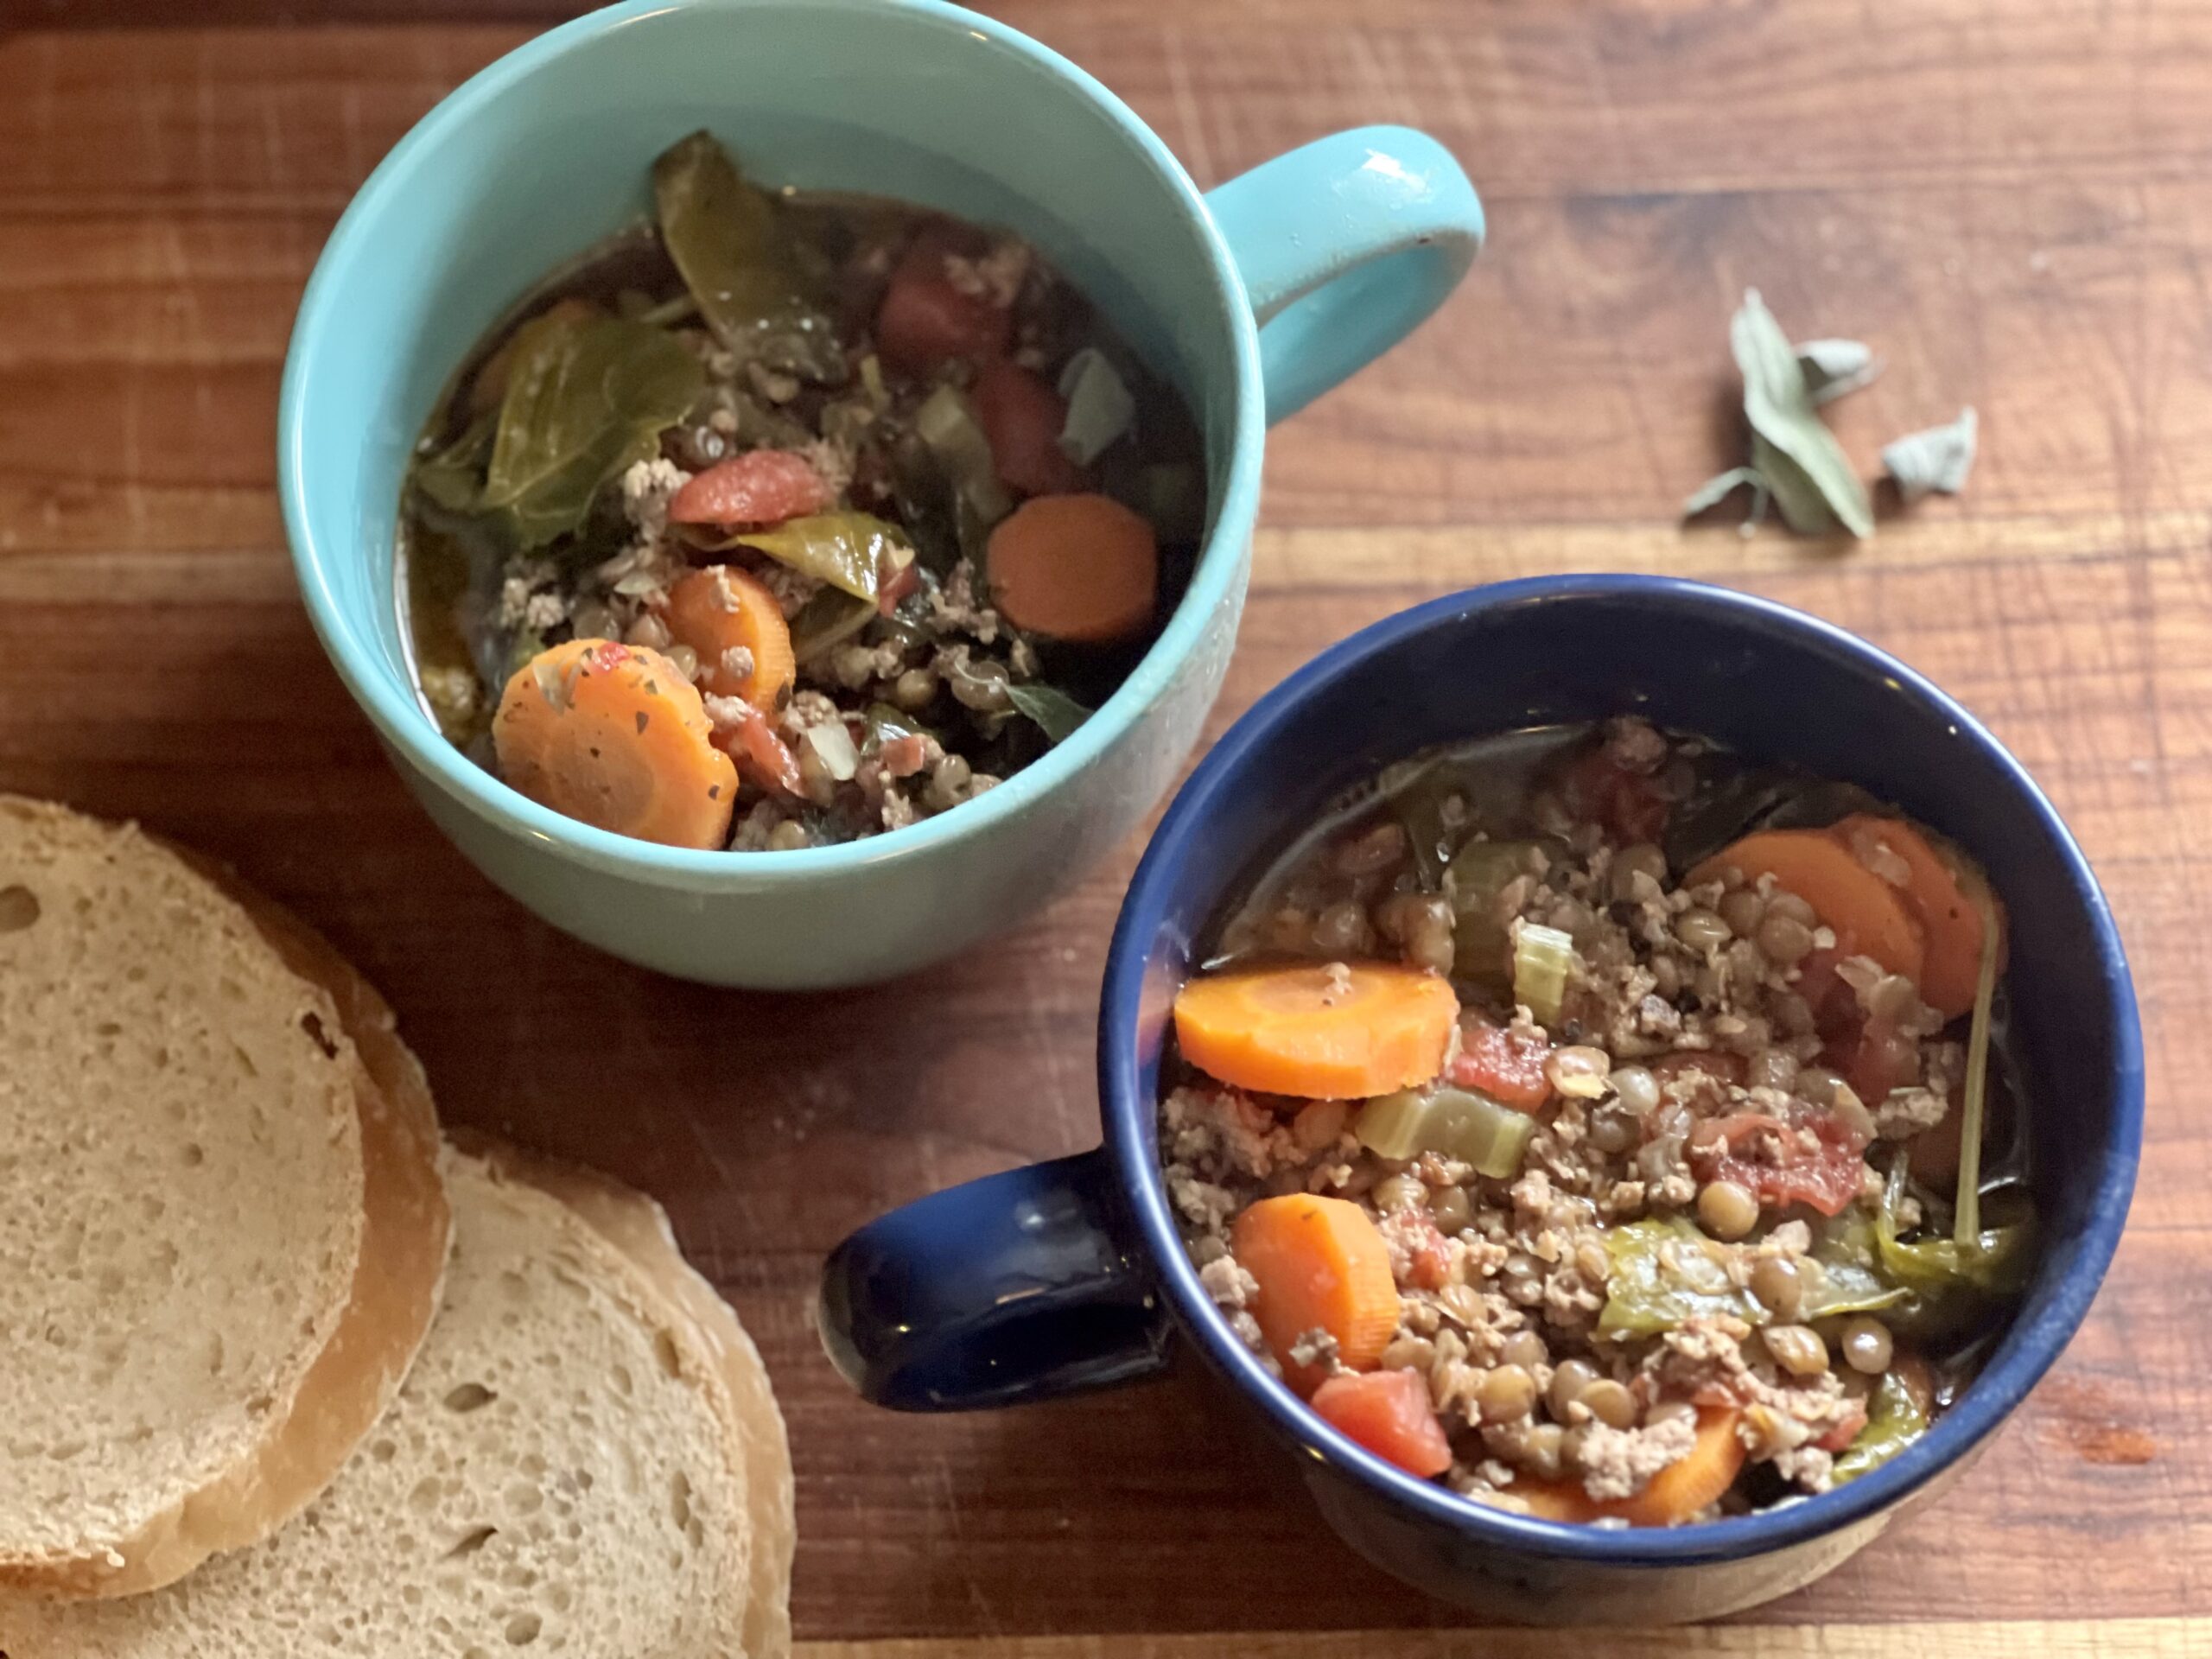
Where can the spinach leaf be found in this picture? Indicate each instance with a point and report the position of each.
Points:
(829, 618)
(854, 552)
(1056, 712)
(583, 401)
(1816, 486)
(1665, 1272)
(729, 242)
(453, 477)
(1894, 1421)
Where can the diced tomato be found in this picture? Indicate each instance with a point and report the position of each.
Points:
(759, 753)
(1506, 1065)
(1876, 1061)
(1022, 416)
(902, 756)
(1628, 804)
(762, 486)
(925, 322)
(1827, 1175)
(1840, 1438)
(1431, 1263)
(1389, 1412)
(895, 585)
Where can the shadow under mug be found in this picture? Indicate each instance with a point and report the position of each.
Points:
(1071, 1275)
(1253, 298)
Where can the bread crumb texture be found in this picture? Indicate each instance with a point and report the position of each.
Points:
(180, 1184)
(555, 1476)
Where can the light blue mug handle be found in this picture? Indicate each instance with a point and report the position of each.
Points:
(1345, 245)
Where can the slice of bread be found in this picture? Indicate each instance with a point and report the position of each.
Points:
(221, 1225)
(572, 1467)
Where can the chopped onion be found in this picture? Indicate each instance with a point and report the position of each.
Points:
(835, 745)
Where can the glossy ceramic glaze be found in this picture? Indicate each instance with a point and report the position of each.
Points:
(1254, 300)
(1065, 1275)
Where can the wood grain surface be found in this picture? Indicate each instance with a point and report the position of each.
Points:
(2006, 197)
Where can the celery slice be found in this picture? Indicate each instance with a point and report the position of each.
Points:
(1542, 959)
(1451, 1123)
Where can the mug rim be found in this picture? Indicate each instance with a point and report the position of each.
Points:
(400, 718)
(1965, 1426)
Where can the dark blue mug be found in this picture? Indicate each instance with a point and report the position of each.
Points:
(1070, 1274)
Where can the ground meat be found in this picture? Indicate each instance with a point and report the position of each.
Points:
(1619, 1463)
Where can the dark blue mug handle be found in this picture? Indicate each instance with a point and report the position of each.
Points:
(1013, 1288)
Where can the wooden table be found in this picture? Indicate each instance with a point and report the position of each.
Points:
(2006, 197)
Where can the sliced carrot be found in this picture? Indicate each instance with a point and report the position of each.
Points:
(1321, 1266)
(1333, 1031)
(1022, 416)
(1674, 1494)
(721, 609)
(761, 486)
(1075, 567)
(1940, 898)
(1389, 1412)
(1868, 916)
(613, 736)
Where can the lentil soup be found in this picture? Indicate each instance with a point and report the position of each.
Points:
(1613, 1129)
(790, 518)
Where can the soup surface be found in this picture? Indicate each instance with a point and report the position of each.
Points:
(790, 518)
(1611, 1128)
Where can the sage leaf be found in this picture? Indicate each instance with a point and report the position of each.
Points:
(1938, 459)
(1100, 407)
(1055, 712)
(1718, 488)
(853, 552)
(730, 244)
(1833, 367)
(1780, 408)
(584, 399)
(1800, 501)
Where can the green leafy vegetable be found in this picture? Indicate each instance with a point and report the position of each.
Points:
(1799, 448)
(826, 620)
(1462, 1123)
(453, 478)
(1055, 712)
(887, 724)
(1476, 881)
(1718, 488)
(1938, 459)
(1834, 367)
(1666, 1271)
(584, 400)
(1895, 1420)
(1995, 1262)
(854, 552)
(1543, 961)
(728, 241)
(1100, 408)
(948, 424)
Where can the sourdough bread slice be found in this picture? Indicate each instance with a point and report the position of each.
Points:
(565, 1472)
(221, 1225)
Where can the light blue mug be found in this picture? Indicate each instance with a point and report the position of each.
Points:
(1254, 298)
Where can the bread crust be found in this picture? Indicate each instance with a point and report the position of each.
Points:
(638, 1229)
(406, 1234)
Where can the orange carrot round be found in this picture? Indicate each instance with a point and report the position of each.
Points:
(613, 736)
(1939, 897)
(1321, 1266)
(1868, 916)
(1323, 1031)
(722, 608)
(1675, 1493)
(1389, 1412)
(1075, 567)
